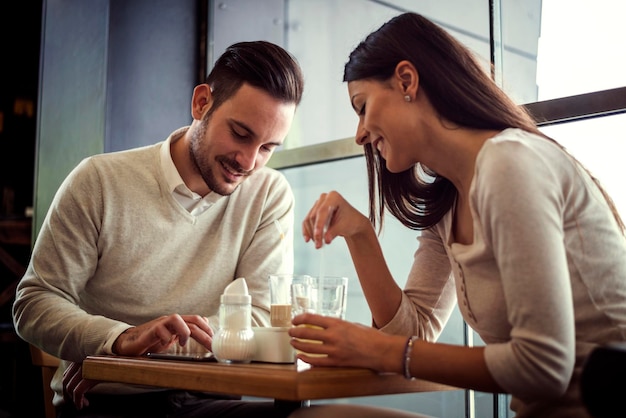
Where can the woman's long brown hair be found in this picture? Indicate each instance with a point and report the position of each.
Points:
(459, 90)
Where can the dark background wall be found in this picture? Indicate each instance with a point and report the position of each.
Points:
(20, 24)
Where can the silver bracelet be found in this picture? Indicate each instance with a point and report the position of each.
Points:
(406, 363)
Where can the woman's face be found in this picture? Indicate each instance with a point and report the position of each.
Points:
(386, 120)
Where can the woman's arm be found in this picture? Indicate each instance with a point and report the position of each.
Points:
(355, 345)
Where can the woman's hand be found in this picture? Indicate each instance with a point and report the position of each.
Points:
(332, 216)
(161, 333)
(346, 344)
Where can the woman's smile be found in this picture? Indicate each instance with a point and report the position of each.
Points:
(378, 144)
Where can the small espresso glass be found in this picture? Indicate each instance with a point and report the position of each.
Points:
(280, 299)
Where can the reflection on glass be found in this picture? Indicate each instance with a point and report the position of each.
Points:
(543, 49)
(322, 33)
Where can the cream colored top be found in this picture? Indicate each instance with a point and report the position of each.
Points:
(543, 283)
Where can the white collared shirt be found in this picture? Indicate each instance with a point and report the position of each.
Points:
(188, 199)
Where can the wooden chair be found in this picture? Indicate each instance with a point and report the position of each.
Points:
(49, 365)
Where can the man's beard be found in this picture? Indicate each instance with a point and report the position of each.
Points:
(205, 168)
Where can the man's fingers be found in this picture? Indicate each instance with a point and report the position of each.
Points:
(161, 333)
(75, 387)
(71, 379)
(166, 336)
(71, 369)
(79, 393)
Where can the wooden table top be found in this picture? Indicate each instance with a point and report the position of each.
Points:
(290, 382)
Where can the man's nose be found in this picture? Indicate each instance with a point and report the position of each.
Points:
(247, 158)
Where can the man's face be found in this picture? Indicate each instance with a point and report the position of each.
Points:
(239, 137)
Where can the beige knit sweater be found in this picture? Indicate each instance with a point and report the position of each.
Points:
(116, 249)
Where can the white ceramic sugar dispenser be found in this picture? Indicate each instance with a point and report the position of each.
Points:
(234, 340)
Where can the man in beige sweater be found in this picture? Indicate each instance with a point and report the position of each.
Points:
(138, 245)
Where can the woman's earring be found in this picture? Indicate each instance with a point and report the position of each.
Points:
(407, 98)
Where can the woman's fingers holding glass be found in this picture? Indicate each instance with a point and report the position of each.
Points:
(307, 340)
(318, 339)
(341, 342)
(310, 349)
(309, 319)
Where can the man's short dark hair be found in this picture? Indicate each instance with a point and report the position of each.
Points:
(261, 64)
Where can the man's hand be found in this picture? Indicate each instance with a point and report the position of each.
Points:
(75, 387)
(156, 336)
(160, 334)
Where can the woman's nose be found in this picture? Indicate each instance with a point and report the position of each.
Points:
(361, 137)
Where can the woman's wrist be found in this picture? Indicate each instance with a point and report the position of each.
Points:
(406, 360)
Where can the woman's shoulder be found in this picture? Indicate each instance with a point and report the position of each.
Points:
(515, 148)
(511, 139)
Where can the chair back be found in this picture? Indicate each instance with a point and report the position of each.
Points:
(49, 365)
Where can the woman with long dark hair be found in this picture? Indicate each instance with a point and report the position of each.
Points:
(514, 230)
